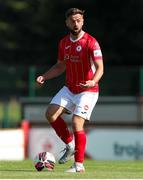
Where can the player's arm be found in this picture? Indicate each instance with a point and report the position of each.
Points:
(97, 76)
(96, 55)
(99, 71)
(54, 71)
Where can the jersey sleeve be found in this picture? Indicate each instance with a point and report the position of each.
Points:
(95, 50)
(60, 52)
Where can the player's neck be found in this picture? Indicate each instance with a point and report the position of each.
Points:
(76, 37)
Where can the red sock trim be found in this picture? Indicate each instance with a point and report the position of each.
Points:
(62, 130)
(80, 144)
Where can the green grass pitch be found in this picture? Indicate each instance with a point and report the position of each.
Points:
(94, 170)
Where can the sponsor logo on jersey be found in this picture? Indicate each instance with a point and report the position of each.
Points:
(79, 48)
(97, 53)
(67, 47)
(75, 58)
(66, 57)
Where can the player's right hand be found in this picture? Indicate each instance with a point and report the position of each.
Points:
(40, 80)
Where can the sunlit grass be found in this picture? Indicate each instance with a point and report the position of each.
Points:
(94, 170)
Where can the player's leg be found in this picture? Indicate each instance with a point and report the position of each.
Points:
(80, 144)
(53, 114)
(83, 110)
(60, 104)
(80, 138)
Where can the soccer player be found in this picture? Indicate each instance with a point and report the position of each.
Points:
(80, 55)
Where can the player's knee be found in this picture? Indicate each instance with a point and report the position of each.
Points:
(53, 112)
(49, 116)
(74, 127)
(77, 126)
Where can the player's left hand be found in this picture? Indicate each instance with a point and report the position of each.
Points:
(88, 84)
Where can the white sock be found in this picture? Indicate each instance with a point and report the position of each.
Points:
(78, 164)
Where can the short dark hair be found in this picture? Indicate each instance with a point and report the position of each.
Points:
(73, 11)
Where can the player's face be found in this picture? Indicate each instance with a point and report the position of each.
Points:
(75, 23)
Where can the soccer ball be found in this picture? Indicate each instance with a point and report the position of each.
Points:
(44, 160)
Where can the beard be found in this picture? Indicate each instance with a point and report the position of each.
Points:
(74, 31)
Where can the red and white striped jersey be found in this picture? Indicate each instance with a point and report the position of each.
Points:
(79, 57)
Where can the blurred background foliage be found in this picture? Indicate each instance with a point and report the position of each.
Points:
(30, 30)
(29, 34)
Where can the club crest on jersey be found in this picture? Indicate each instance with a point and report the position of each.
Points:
(79, 48)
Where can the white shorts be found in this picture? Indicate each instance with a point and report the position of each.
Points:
(80, 104)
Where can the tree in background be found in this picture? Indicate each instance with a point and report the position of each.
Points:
(30, 29)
